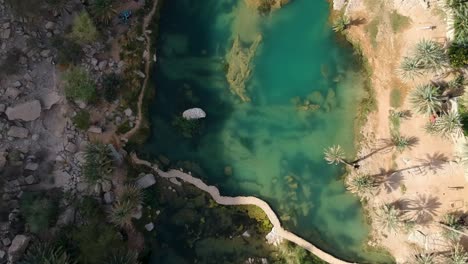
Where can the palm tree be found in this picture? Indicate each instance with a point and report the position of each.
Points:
(103, 11)
(121, 214)
(362, 184)
(458, 256)
(425, 258)
(44, 253)
(123, 257)
(410, 68)
(449, 125)
(453, 221)
(388, 217)
(430, 54)
(58, 6)
(426, 99)
(342, 23)
(98, 162)
(401, 143)
(132, 195)
(336, 155)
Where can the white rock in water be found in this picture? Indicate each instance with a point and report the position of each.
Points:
(193, 113)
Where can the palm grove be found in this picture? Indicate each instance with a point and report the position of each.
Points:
(444, 102)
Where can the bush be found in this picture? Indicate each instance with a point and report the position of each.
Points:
(111, 84)
(44, 253)
(83, 30)
(103, 11)
(39, 211)
(98, 162)
(69, 52)
(79, 85)
(188, 128)
(81, 120)
(458, 55)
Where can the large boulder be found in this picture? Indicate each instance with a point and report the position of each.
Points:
(27, 111)
(145, 181)
(18, 132)
(17, 248)
(193, 113)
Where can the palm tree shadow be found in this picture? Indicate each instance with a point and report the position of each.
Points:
(391, 181)
(421, 209)
(434, 162)
(358, 21)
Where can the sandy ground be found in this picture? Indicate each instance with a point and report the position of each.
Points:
(427, 186)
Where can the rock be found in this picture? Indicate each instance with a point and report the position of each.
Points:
(30, 179)
(27, 111)
(95, 129)
(106, 186)
(145, 181)
(12, 92)
(32, 166)
(338, 4)
(82, 186)
(102, 65)
(6, 242)
(17, 248)
(35, 137)
(80, 104)
(128, 112)
(18, 132)
(138, 213)
(45, 53)
(2, 108)
(71, 147)
(149, 227)
(97, 188)
(80, 157)
(246, 234)
(193, 113)
(50, 25)
(94, 62)
(17, 84)
(67, 217)
(50, 99)
(2, 254)
(2, 160)
(5, 34)
(140, 74)
(109, 197)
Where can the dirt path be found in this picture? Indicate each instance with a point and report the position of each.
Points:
(242, 200)
(147, 20)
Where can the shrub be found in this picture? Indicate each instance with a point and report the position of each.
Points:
(39, 211)
(83, 30)
(102, 11)
(111, 84)
(81, 120)
(123, 257)
(342, 23)
(98, 162)
(69, 52)
(79, 85)
(458, 55)
(121, 214)
(44, 253)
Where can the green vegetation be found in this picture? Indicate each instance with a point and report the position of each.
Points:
(425, 258)
(458, 255)
(336, 155)
(425, 99)
(111, 83)
(123, 257)
(362, 184)
(188, 128)
(58, 6)
(453, 221)
(103, 11)
(460, 25)
(458, 55)
(265, 6)
(398, 21)
(98, 162)
(83, 30)
(448, 125)
(342, 23)
(82, 120)
(39, 210)
(373, 29)
(79, 85)
(395, 98)
(69, 52)
(128, 202)
(44, 253)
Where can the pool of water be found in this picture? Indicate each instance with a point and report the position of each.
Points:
(267, 140)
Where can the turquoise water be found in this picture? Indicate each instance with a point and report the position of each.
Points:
(271, 146)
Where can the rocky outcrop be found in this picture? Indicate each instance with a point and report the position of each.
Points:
(18, 132)
(145, 181)
(27, 111)
(17, 248)
(193, 113)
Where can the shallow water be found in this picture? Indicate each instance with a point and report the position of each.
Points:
(270, 146)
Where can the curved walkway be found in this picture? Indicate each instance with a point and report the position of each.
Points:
(146, 21)
(242, 200)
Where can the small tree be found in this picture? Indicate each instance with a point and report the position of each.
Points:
(425, 258)
(121, 214)
(98, 162)
(453, 221)
(410, 68)
(103, 11)
(431, 55)
(458, 55)
(335, 155)
(402, 143)
(342, 23)
(449, 125)
(83, 30)
(388, 217)
(39, 211)
(79, 85)
(132, 195)
(458, 255)
(362, 184)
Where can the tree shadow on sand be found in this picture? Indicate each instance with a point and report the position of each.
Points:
(420, 209)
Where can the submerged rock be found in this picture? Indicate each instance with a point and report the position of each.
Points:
(193, 113)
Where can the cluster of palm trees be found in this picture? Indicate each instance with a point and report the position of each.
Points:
(428, 56)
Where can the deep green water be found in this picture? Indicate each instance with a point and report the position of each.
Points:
(274, 149)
